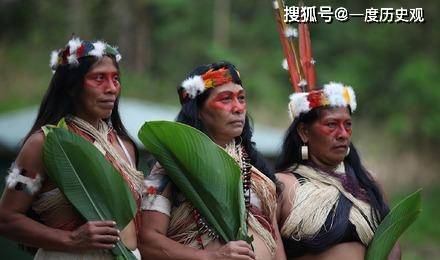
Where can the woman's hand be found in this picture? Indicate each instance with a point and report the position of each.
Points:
(233, 250)
(94, 235)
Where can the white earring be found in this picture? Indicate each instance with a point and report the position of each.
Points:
(348, 151)
(304, 152)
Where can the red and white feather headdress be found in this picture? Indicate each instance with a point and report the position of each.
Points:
(299, 62)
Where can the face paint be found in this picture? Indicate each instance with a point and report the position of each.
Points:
(102, 80)
(229, 101)
(334, 127)
(101, 89)
(328, 138)
(224, 113)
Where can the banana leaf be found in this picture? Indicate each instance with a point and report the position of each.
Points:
(393, 225)
(208, 177)
(91, 183)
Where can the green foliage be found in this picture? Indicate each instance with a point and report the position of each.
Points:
(392, 67)
(415, 78)
(393, 225)
(426, 230)
(89, 181)
(204, 172)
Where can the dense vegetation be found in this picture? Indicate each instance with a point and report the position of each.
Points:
(393, 67)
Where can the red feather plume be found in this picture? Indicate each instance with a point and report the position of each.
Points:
(298, 54)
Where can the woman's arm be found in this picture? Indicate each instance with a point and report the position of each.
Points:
(16, 201)
(288, 184)
(154, 244)
(280, 254)
(285, 200)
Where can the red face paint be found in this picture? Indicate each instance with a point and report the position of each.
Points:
(328, 138)
(103, 80)
(224, 113)
(103, 76)
(334, 127)
(229, 101)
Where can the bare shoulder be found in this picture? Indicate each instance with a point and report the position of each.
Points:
(30, 156)
(287, 179)
(36, 138)
(289, 184)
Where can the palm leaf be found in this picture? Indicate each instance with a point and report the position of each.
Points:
(93, 186)
(204, 172)
(393, 225)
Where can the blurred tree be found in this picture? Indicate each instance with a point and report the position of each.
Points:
(221, 20)
(141, 36)
(391, 66)
(122, 12)
(79, 17)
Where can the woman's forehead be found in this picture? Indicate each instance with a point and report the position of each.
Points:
(335, 112)
(232, 87)
(105, 64)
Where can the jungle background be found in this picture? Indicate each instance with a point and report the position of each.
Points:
(393, 67)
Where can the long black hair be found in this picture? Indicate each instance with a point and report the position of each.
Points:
(63, 94)
(189, 114)
(291, 156)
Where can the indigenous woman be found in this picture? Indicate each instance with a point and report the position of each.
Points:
(330, 206)
(213, 101)
(84, 90)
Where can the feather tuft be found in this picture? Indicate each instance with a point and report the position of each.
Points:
(334, 92)
(291, 32)
(72, 59)
(302, 83)
(284, 64)
(74, 44)
(14, 177)
(99, 48)
(194, 86)
(353, 103)
(298, 104)
(53, 59)
(118, 57)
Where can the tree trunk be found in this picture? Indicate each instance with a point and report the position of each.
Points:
(124, 27)
(142, 39)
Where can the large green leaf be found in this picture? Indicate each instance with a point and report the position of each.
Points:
(204, 172)
(89, 181)
(393, 225)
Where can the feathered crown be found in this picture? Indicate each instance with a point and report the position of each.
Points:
(77, 48)
(299, 62)
(196, 85)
